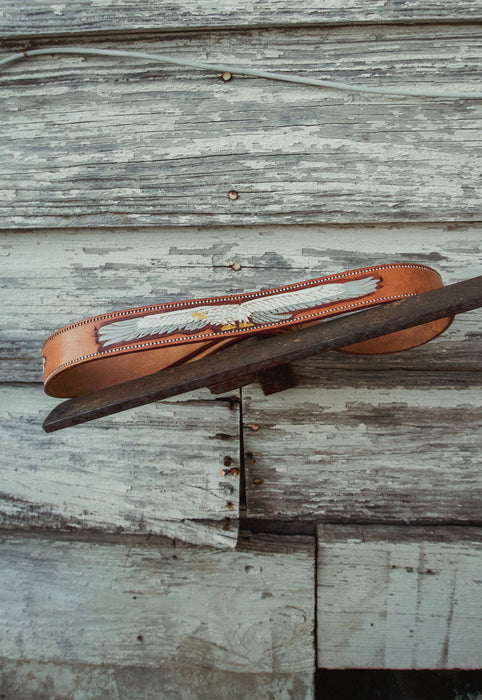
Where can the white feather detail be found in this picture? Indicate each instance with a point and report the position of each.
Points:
(281, 306)
(258, 311)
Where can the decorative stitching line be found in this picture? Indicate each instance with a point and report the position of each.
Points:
(152, 343)
(234, 297)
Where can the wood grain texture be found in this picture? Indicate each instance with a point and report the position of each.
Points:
(118, 142)
(49, 279)
(398, 446)
(84, 16)
(161, 607)
(127, 473)
(400, 598)
(24, 680)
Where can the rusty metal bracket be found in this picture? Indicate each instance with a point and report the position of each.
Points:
(263, 359)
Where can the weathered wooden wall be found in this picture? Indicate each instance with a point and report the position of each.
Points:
(114, 179)
(121, 143)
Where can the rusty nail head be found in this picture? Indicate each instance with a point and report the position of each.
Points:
(234, 471)
(230, 504)
(226, 76)
(227, 461)
(255, 426)
(257, 481)
(233, 195)
(236, 266)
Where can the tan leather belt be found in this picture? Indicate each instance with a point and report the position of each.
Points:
(115, 347)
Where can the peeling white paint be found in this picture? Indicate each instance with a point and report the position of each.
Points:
(139, 134)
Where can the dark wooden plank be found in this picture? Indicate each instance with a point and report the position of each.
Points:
(101, 142)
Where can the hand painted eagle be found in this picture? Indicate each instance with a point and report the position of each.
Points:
(264, 310)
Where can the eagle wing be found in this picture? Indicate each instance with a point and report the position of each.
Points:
(165, 323)
(280, 307)
(261, 310)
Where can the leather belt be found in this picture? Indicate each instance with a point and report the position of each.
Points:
(115, 347)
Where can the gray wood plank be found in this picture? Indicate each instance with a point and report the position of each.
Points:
(24, 680)
(117, 142)
(84, 16)
(176, 609)
(126, 473)
(400, 446)
(49, 279)
(405, 598)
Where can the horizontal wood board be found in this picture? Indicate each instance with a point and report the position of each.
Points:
(157, 469)
(49, 279)
(189, 610)
(84, 16)
(25, 679)
(399, 598)
(99, 142)
(398, 446)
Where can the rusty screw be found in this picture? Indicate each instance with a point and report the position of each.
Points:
(233, 195)
(234, 471)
